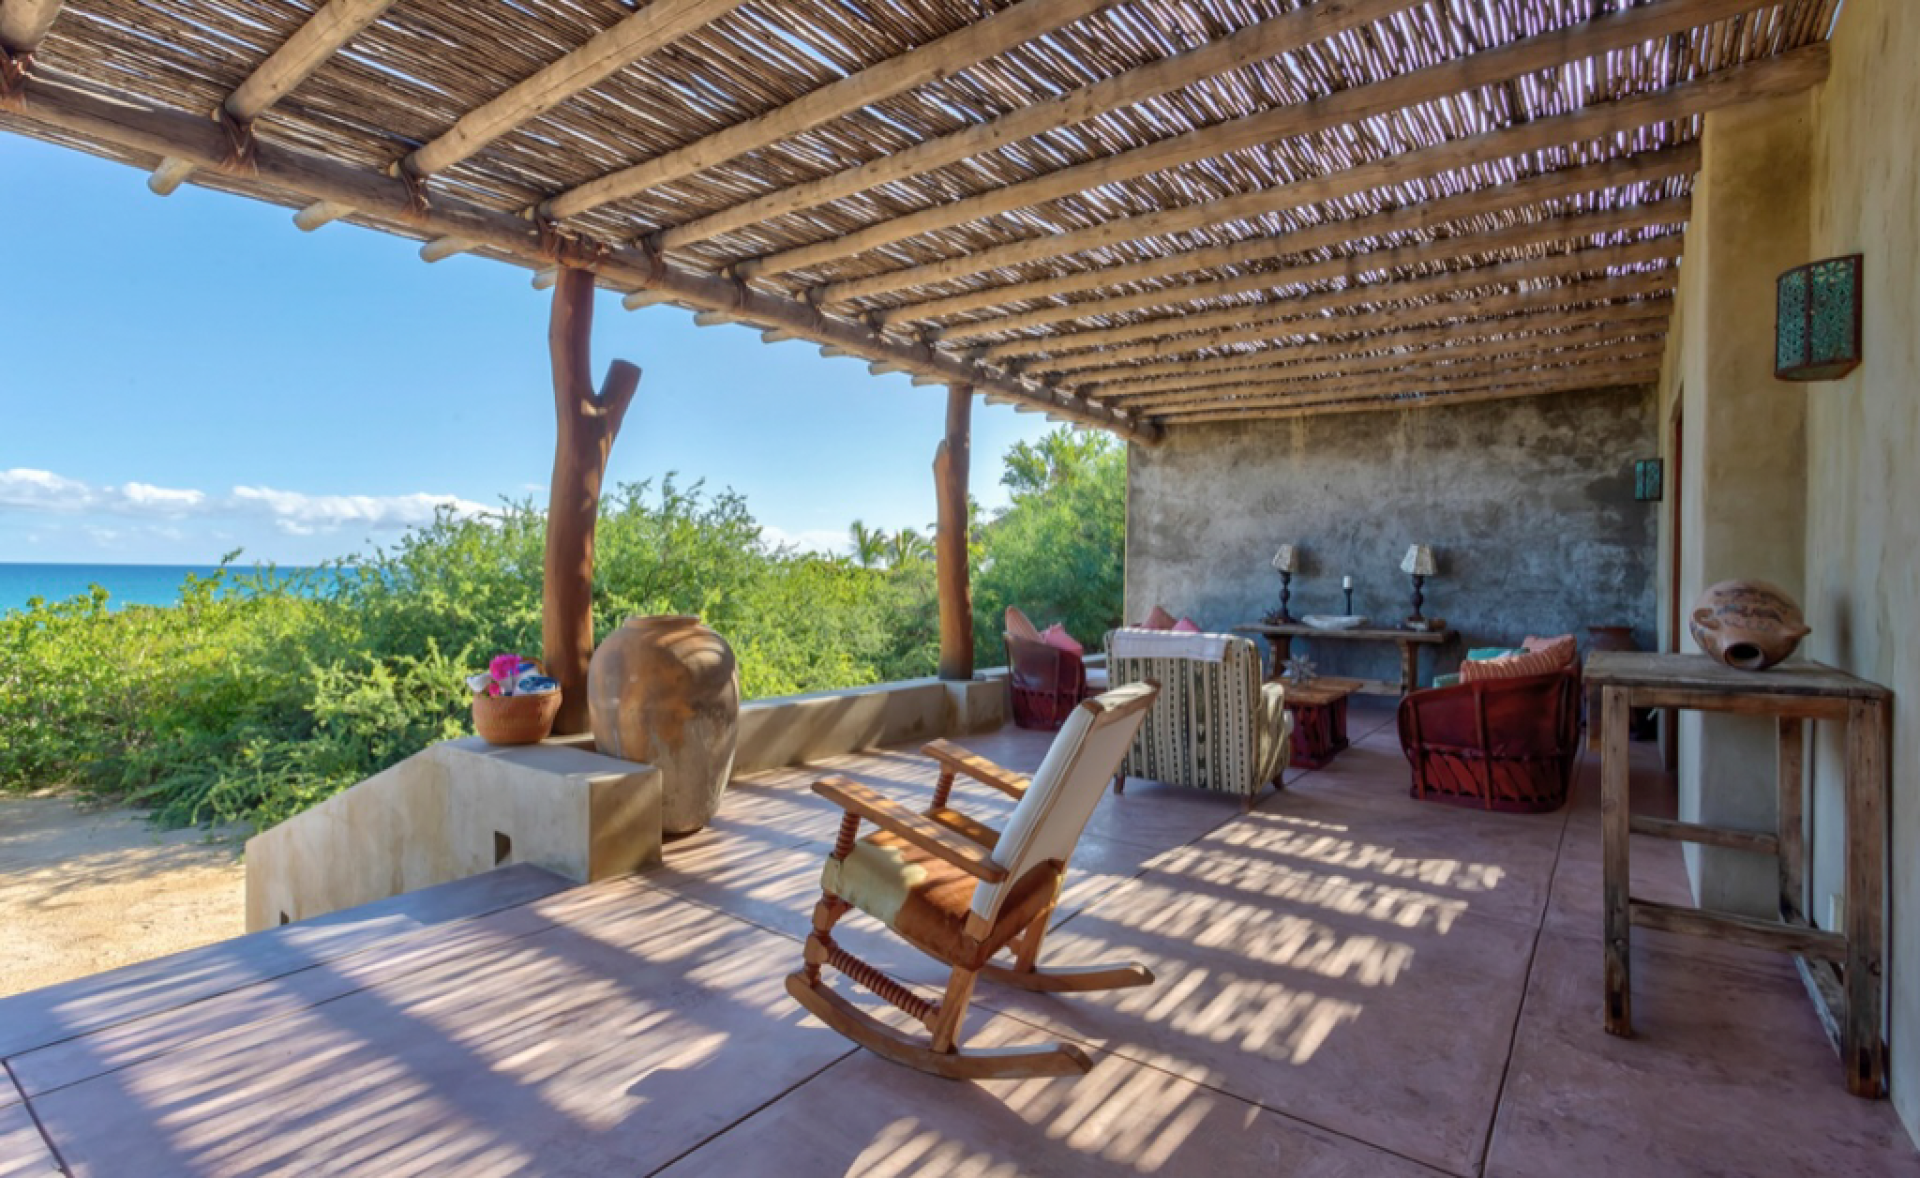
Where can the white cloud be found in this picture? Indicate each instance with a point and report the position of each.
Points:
(42, 490)
(292, 512)
(299, 514)
(824, 540)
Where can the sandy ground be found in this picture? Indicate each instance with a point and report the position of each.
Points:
(85, 888)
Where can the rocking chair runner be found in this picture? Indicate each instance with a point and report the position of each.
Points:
(960, 892)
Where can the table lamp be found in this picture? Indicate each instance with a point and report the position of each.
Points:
(1286, 562)
(1419, 565)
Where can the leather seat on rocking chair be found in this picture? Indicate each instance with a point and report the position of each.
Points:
(961, 892)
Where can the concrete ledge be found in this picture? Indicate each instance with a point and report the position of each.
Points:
(452, 811)
(787, 730)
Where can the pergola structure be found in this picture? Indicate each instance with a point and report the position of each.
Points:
(1128, 214)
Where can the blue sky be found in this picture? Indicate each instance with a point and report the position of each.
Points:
(186, 375)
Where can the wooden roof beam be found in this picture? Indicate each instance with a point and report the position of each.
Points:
(1369, 296)
(1329, 381)
(1257, 42)
(1470, 395)
(1595, 296)
(966, 46)
(309, 48)
(1551, 319)
(1424, 216)
(1350, 269)
(1363, 358)
(1558, 47)
(130, 124)
(24, 24)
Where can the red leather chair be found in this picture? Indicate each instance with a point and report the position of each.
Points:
(1496, 744)
(1046, 683)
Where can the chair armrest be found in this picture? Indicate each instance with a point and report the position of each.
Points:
(939, 841)
(978, 767)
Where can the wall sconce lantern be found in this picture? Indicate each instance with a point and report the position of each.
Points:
(1646, 480)
(1817, 333)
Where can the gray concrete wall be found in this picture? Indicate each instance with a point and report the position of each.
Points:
(1528, 505)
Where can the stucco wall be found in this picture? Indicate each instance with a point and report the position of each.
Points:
(1528, 505)
(1863, 469)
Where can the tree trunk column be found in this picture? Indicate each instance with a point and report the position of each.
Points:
(950, 468)
(587, 425)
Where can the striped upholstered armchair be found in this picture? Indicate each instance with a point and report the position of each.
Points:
(1216, 725)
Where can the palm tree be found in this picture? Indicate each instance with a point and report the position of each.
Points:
(907, 546)
(869, 544)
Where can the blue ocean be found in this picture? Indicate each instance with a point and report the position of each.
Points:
(126, 584)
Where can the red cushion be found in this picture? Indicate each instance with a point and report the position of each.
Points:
(1159, 619)
(1056, 636)
(1513, 666)
(1562, 646)
(1186, 626)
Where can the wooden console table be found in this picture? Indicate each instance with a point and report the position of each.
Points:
(1281, 637)
(1792, 693)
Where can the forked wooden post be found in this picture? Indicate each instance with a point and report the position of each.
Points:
(950, 469)
(587, 424)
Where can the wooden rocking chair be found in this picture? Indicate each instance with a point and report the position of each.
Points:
(960, 892)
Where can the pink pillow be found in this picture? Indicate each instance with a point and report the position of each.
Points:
(1185, 626)
(1159, 619)
(1056, 636)
(1019, 626)
(1563, 647)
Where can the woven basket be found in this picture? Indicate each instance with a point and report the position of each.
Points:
(515, 719)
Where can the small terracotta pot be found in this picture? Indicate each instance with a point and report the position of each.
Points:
(515, 719)
(1749, 625)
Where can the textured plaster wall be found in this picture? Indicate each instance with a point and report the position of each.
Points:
(1743, 493)
(1863, 469)
(1528, 505)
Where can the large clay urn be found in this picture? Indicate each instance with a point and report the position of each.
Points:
(1750, 625)
(662, 691)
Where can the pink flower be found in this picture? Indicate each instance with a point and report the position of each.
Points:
(504, 667)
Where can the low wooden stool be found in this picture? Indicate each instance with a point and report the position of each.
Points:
(1319, 708)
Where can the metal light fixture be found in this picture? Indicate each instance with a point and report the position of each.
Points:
(1646, 480)
(1817, 332)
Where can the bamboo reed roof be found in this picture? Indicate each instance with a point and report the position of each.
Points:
(1134, 214)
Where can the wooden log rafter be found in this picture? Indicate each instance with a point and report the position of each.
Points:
(1364, 295)
(1424, 217)
(587, 422)
(952, 464)
(1400, 378)
(159, 131)
(1633, 370)
(1437, 399)
(1600, 296)
(1547, 50)
(1257, 42)
(1152, 396)
(1595, 321)
(25, 23)
(1352, 268)
(310, 47)
(963, 47)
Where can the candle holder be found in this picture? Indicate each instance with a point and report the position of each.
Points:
(1349, 593)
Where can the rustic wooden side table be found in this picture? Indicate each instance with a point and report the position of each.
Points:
(1319, 708)
(1848, 997)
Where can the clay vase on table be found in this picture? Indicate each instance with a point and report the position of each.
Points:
(1750, 625)
(663, 691)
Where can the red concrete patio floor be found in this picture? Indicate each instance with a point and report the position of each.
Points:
(1349, 982)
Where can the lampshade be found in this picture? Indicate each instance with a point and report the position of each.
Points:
(1419, 561)
(1286, 560)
